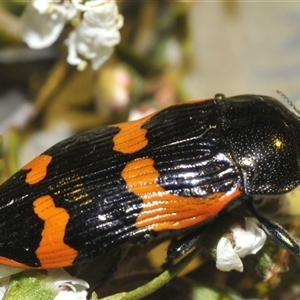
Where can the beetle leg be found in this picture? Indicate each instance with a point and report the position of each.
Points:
(274, 230)
(179, 247)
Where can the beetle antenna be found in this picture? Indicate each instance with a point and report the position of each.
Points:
(286, 98)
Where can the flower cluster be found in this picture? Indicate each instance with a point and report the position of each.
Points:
(96, 31)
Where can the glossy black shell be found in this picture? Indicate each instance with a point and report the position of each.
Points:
(264, 139)
(247, 142)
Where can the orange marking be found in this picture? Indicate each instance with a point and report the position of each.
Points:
(38, 168)
(163, 210)
(11, 263)
(52, 251)
(131, 137)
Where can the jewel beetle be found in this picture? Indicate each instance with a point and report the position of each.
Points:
(128, 183)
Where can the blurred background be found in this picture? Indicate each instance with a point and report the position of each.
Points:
(170, 52)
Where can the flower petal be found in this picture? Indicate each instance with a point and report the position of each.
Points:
(249, 240)
(96, 36)
(6, 271)
(69, 295)
(40, 30)
(61, 278)
(42, 22)
(227, 259)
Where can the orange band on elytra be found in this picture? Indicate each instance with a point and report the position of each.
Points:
(52, 251)
(131, 137)
(9, 262)
(163, 210)
(38, 169)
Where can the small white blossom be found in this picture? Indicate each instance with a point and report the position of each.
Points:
(69, 295)
(96, 36)
(248, 240)
(3, 286)
(43, 21)
(56, 282)
(97, 30)
(62, 278)
(70, 287)
(6, 271)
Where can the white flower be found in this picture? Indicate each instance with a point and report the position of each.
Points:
(56, 283)
(3, 286)
(69, 295)
(248, 240)
(97, 32)
(6, 271)
(71, 287)
(43, 21)
(96, 36)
